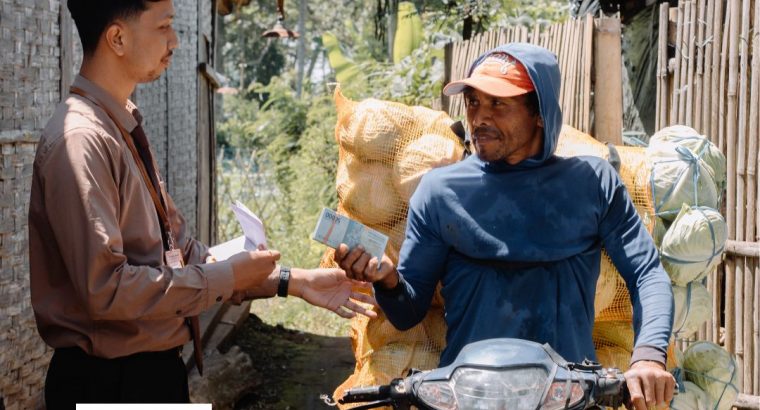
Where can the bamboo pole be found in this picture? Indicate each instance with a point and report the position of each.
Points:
(574, 67)
(567, 42)
(752, 333)
(711, 320)
(563, 63)
(707, 77)
(662, 68)
(747, 402)
(558, 39)
(700, 69)
(551, 40)
(577, 76)
(588, 42)
(721, 103)
(756, 320)
(741, 169)
(749, 327)
(731, 136)
(742, 249)
(657, 72)
(683, 86)
(688, 90)
(716, 69)
(677, 70)
(718, 297)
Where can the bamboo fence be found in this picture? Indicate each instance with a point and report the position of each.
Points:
(571, 41)
(712, 83)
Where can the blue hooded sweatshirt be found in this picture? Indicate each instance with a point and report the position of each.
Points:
(517, 248)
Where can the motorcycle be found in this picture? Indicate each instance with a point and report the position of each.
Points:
(498, 374)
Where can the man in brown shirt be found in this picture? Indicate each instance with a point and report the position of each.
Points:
(114, 274)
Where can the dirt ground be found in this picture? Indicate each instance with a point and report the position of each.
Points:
(292, 368)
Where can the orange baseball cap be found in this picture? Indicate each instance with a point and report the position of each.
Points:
(499, 75)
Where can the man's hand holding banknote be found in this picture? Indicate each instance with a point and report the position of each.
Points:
(366, 246)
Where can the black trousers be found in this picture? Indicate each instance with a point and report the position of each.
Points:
(151, 377)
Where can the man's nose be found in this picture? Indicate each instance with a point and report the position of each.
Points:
(482, 116)
(173, 40)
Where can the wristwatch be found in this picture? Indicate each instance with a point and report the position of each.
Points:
(282, 286)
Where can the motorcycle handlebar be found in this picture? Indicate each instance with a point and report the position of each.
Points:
(612, 391)
(364, 394)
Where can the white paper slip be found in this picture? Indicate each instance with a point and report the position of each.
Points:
(252, 226)
(333, 229)
(224, 250)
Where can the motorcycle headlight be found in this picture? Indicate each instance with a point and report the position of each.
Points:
(437, 395)
(482, 389)
(561, 394)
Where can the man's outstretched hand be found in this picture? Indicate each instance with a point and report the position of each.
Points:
(331, 289)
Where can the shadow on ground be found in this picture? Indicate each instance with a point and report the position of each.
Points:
(291, 368)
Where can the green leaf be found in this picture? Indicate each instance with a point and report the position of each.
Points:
(408, 32)
(346, 70)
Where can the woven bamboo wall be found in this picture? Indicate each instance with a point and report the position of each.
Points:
(40, 55)
(712, 83)
(29, 89)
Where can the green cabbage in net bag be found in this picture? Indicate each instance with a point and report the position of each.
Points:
(693, 398)
(693, 306)
(681, 135)
(714, 370)
(679, 177)
(693, 244)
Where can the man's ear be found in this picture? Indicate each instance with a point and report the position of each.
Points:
(540, 121)
(114, 38)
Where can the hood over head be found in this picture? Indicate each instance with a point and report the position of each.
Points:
(502, 79)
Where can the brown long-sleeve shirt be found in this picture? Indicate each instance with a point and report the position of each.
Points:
(98, 279)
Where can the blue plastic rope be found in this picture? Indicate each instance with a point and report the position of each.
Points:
(715, 251)
(686, 155)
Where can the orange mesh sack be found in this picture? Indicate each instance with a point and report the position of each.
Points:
(385, 149)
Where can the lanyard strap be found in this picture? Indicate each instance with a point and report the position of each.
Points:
(162, 216)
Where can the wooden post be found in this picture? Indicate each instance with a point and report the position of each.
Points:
(608, 91)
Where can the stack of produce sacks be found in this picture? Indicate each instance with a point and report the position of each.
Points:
(710, 378)
(385, 149)
(687, 182)
(688, 178)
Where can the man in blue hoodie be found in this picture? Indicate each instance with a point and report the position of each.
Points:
(515, 233)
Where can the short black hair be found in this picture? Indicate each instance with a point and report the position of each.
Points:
(93, 16)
